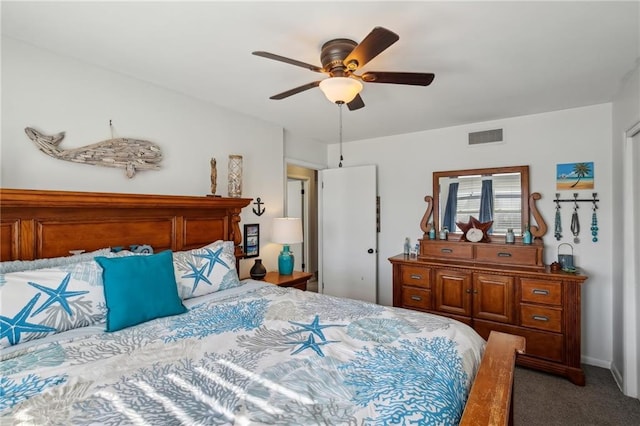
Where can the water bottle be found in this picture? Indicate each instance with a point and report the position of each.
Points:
(407, 247)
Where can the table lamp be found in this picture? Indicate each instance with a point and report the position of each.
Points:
(285, 231)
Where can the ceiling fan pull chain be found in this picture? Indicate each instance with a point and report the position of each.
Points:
(340, 121)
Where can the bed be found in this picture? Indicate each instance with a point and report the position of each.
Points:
(230, 351)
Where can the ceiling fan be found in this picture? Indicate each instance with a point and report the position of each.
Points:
(341, 58)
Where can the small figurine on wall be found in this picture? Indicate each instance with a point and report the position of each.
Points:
(214, 176)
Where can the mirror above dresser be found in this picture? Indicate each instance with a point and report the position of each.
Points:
(493, 201)
(498, 194)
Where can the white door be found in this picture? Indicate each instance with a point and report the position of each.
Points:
(349, 261)
(296, 208)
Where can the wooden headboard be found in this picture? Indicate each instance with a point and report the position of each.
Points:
(40, 224)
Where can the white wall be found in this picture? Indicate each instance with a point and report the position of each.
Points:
(406, 163)
(53, 93)
(305, 151)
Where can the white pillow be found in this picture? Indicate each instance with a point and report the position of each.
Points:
(39, 302)
(52, 262)
(205, 270)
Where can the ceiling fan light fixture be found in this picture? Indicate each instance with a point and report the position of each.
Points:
(340, 89)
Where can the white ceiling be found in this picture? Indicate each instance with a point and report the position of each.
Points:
(491, 59)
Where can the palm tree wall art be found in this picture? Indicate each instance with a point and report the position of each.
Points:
(574, 176)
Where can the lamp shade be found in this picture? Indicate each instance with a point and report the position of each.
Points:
(287, 230)
(340, 89)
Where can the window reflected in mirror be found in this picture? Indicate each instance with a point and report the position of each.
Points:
(494, 198)
(497, 194)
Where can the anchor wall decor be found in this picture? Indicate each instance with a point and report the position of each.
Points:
(259, 203)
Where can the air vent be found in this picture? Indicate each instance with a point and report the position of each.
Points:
(486, 136)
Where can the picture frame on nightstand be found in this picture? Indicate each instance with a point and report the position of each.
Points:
(252, 240)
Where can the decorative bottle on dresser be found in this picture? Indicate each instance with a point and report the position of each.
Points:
(526, 235)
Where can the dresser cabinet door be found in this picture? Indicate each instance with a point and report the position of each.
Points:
(453, 292)
(493, 297)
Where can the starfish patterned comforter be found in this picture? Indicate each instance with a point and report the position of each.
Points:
(255, 354)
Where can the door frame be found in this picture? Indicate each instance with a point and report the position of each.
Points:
(318, 228)
(631, 274)
(303, 186)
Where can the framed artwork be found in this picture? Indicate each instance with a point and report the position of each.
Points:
(252, 240)
(574, 176)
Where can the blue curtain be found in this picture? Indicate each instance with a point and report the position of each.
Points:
(486, 201)
(452, 205)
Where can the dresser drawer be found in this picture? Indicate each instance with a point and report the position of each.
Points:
(511, 255)
(544, 345)
(448, 250)
(541, 318)
(416, 275)
(541, 291)
(540, 344)
(416, 298)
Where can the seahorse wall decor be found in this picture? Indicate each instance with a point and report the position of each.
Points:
(123, 153)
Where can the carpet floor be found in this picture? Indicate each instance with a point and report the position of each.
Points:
(545, 399)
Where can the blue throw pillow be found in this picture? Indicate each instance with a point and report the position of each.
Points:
(139, 288)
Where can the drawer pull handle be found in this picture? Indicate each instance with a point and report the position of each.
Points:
(416, 298)
(539, 291)
(446, 250)
(540, 318)
(504, 254)
(416, 277)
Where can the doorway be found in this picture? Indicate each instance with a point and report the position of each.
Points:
(302, 201)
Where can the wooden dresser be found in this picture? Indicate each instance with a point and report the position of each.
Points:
(495, 286)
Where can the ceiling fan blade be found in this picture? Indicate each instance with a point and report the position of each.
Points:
(373, 44)
(412, 78)
(296, 90)
(288, 61)
(356, 103)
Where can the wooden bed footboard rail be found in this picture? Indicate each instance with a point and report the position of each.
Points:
(39, 224)
(491, 399)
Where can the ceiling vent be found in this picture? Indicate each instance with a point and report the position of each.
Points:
(487, 136)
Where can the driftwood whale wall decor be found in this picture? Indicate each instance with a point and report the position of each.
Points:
(124, 153)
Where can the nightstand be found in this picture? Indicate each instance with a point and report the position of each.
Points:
(298, 279)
